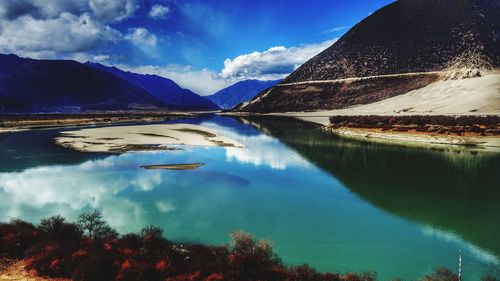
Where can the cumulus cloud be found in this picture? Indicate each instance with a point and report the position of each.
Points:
(203, 82)
(159, 12)
(276, 62)
(55, 29)
(40, 9)
(141, 36)
(65, 34)
(103, 10)
(112, 10)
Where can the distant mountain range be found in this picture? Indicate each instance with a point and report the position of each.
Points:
(34, 86)
(163, 89)
(399, 48)
(240, 92)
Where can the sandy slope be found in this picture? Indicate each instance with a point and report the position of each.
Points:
(448, 97)
(142, 138)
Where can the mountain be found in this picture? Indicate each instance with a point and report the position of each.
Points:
(163, 89)
(404, 46)
(28, 85)
(35, 86)
(240, 92)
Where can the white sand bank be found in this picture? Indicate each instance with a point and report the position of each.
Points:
(142, 138)
(474, 96)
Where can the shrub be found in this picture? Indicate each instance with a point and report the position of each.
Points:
(441, 274)
(95, 268)
(94, 226)
(250, 259)
(17, 237)
(57, 228)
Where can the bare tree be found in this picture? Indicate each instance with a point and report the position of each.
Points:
(94, 226)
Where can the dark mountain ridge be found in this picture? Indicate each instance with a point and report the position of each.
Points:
(163, 89)
(412, 36)
(64, 85)
(36, 86)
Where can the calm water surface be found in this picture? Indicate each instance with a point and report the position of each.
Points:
(339, 205)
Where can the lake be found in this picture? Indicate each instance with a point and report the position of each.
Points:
(340, 205)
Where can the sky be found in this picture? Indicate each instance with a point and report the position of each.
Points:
(203, 45)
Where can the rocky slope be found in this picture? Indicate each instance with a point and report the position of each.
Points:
(444, 39)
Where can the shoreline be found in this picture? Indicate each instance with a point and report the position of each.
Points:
(15, 123)
(408, 138)
(27, 122)
(416, 138)
(152, 137)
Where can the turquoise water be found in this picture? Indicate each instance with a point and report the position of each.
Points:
(336, 204)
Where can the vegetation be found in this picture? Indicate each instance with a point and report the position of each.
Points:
(91, 250)
(478, 125)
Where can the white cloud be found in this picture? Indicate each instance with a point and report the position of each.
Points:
(259, 150)
(100, 58)
(165, 206)
(480, 253)
(148, 182)
(337, 29)
(61, 29)
(112, 10)
(276, 62)
(67, 33)
(71, 190)
(203, 82)
(159, 12)
(103, 10)
(141, 36)
(40, 9)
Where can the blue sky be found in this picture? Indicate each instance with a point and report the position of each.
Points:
(202, 45)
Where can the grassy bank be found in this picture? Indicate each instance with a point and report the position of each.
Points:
(91, 250)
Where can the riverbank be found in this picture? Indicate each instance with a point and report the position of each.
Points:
(452, 97)
(415, 138)
(401, 135)
(111, 143)
(90, 250)
(13, 123)
(119, 139)
(449, 130)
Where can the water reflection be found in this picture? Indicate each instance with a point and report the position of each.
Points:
(446, 188)
(368, 206)
(27, 149)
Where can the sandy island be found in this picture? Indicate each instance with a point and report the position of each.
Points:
(179, 167)
(142, 138)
